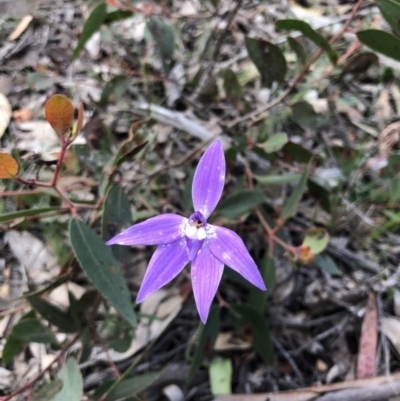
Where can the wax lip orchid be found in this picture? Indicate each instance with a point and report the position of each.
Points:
(182, 240)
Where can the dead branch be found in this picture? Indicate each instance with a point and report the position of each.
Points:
(373, 389)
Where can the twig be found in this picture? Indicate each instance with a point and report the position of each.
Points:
(333, 330)
(289, 358)
(300, 76)
(374, 389)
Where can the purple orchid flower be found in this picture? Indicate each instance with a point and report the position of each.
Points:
(182, 240)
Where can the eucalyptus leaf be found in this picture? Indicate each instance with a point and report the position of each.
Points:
(276, 142)
(72, 389)
(390, 10)
(381, 41)
(92, 25)
(32, 330)
(164, 37)
(278, 179)
(268, 59)
(240, 203)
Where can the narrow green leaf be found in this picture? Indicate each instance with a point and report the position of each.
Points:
(232, 86)
(92, 25)
(98, 262)
(240, 203)
(220, 373)
(390, 10)
(116, 217)
(71, 377)
(258, 298)
(32, 330)
(48, 391)
(304, 115)
(12, 347)
(262, 339)
(296, 46)
(276, 142)
(130, 154)
(268, 59)
(306, 30)
(208, 336)
(132, 385)
(380, 41)
(27, 212)
(164, 37)
(290, 205)
(115, 16)
(278, 179)
(53, 314)
(327, 264)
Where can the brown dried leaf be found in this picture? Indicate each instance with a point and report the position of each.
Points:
(368, 342)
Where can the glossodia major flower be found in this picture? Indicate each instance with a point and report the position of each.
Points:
(181, 240)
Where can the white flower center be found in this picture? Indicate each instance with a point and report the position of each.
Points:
(195, 233)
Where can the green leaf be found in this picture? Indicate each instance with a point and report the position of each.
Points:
(327, 264)
(114, 88)
(380, 41)
(278, 179)
(390, 10)
(98, 262)
(268, 59)
(12, 347)
(232, 86)
(258, 298)
(164, 37)
(53, 314)
(116, 217)
(27, 212)
(276, 142)
(296, 46)
(92, 25)
(128, 155)
(306, 30)
(207, 338)
(317, 239)
(262, 339)
(48, 391)
(290, 205)
(115, 16)
(32, 330)
(297, 152)
(240, 203)
(220, 373)
(304, 115)
(132, 385)
(71, 376)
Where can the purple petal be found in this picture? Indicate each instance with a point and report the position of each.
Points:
(166, 263)
(206, 275)
(229, 248)
(209, 179)
(159, 230)
(193, 246)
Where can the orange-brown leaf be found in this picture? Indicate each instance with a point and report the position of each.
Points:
(59, 113)
(80, 120)
(8, 166)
